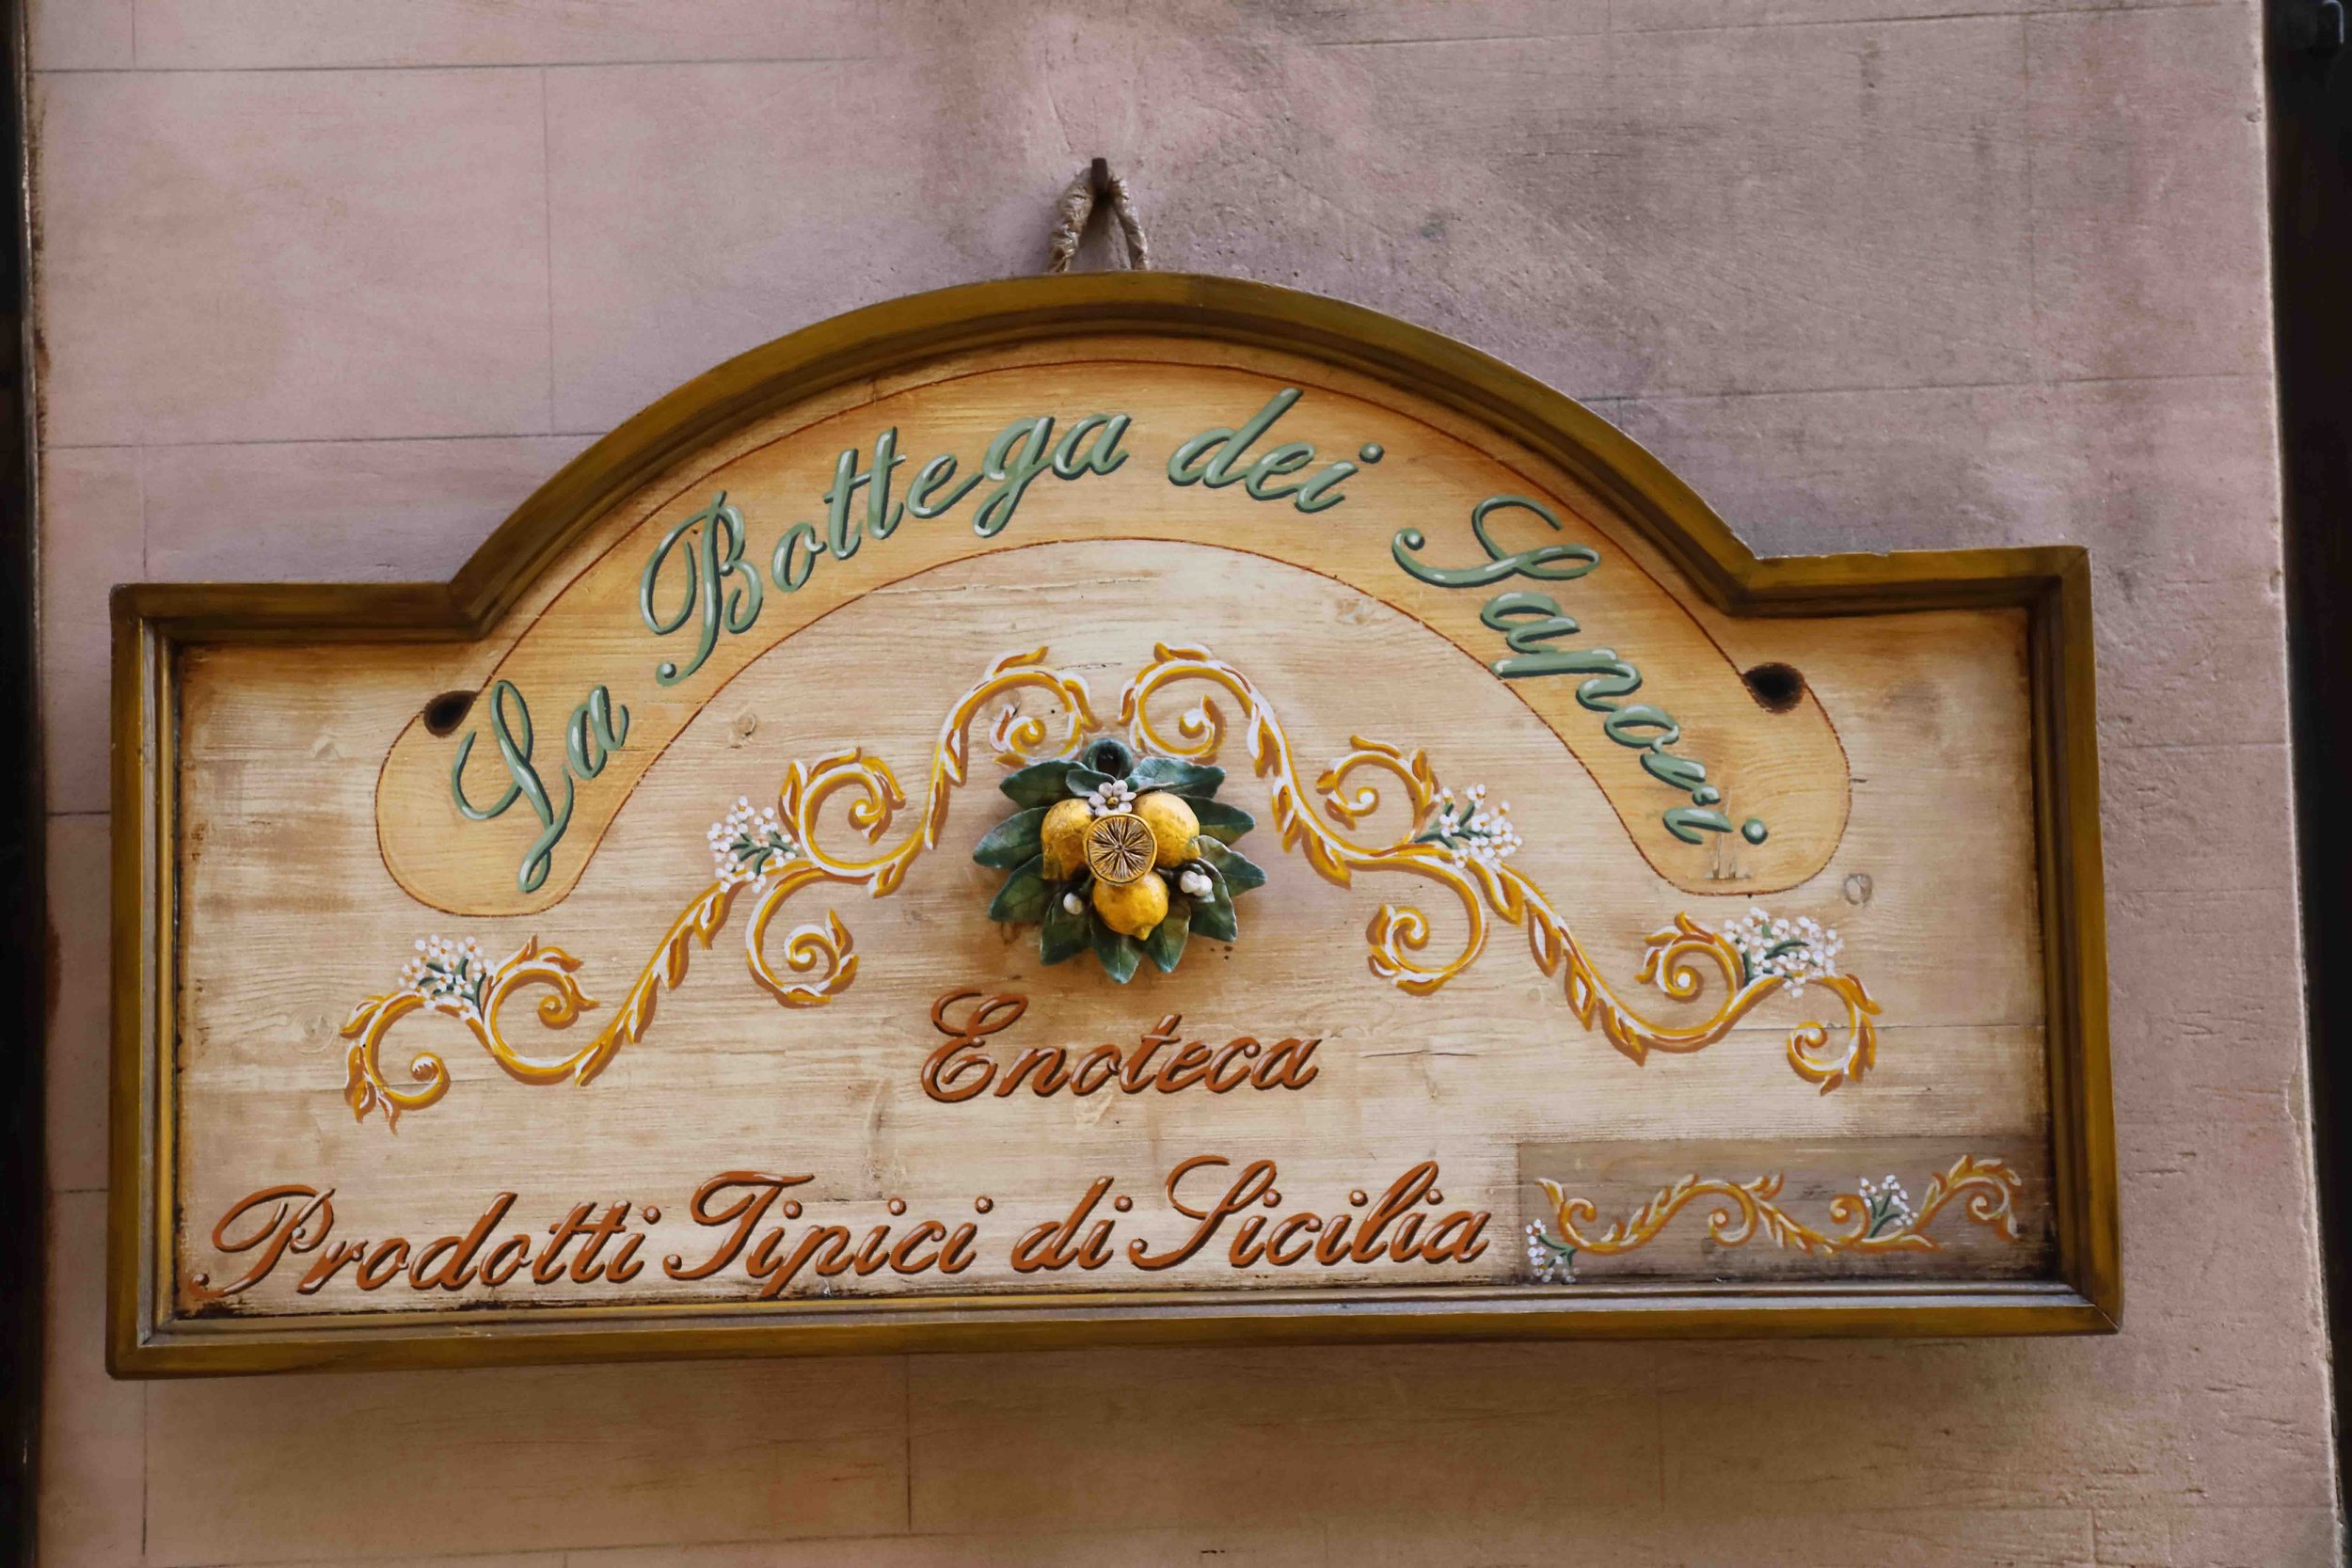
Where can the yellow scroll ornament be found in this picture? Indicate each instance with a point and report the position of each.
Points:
(774, 853)
(1879, 1217)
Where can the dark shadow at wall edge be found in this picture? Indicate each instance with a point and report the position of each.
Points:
(2309, 77)
(24, 923)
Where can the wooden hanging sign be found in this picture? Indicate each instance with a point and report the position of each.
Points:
(1126, 807)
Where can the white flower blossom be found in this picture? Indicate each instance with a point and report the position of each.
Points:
(1471, 832)
(1073, 904)
(447, 970)
(1111, 798)
(750, 844)
(1547, 1259)
(1794, 950)
(1888, 1205)
(1195, 884)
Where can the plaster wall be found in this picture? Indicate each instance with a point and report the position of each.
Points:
(326, 287)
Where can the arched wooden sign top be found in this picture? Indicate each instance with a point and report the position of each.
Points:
(1125, 807)
(1709, 777)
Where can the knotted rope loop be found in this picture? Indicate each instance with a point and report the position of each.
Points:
(1077, 205)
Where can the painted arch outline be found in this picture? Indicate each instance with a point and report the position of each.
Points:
(945, 372)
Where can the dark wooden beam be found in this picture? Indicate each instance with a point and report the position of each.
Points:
(2309, 89)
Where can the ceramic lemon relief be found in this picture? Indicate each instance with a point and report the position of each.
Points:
(1121, 855)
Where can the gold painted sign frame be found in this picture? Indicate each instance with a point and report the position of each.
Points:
(155, 624)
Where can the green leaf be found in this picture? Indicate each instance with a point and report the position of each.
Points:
(1119, 955)
(1221, 821)
(1065, 933)
(1040, 785)
(1184, 778)
(1022, 900)
(1166, 944)
(1240, 872)
(1213, 916)
(1017, 838)
(1085, 780)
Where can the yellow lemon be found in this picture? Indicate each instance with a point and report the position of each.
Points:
(1135, 908)
(1119, 848)
(1173, 825)
(1065, 835)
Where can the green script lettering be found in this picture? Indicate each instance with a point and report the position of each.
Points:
(596, 729)
(1213, 460)
(1532, 621)
(710, 543)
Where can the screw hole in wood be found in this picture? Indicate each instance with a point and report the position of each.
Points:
(1777, 688)
(444, 713)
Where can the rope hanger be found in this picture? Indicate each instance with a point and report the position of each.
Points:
(1075, 208)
